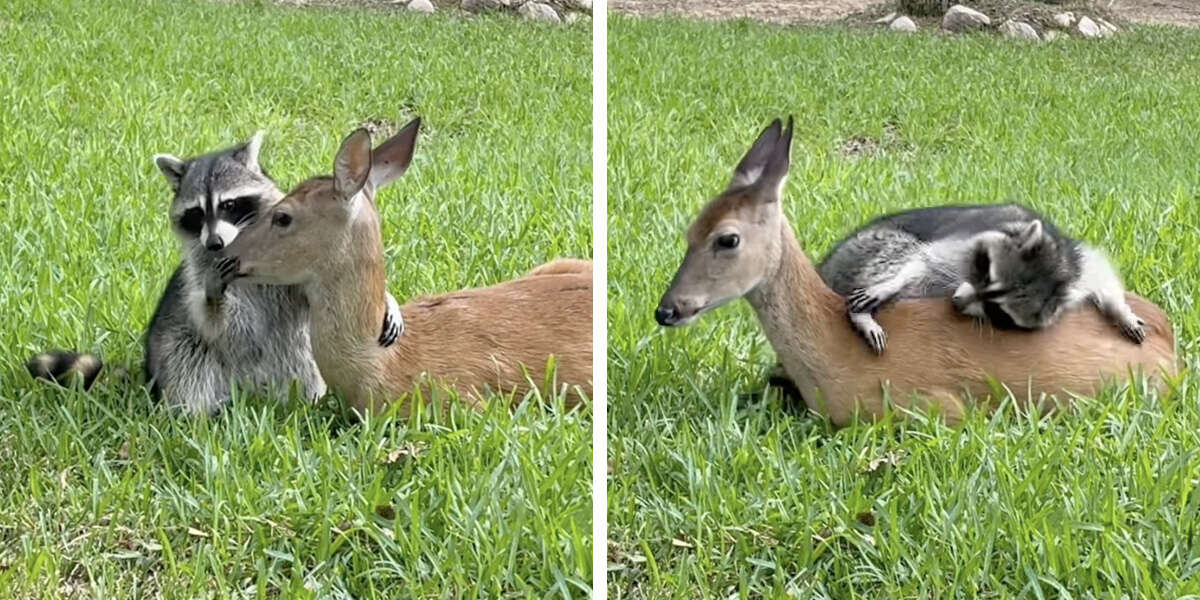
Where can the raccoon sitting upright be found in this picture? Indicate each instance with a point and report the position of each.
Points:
(207, 335)
(1003, 262)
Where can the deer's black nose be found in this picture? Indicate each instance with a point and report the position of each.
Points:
(666, 316)
(214, 244)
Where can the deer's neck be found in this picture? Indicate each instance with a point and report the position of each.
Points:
(800, 316)
(348, 303)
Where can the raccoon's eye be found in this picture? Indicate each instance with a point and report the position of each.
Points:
(281, 220)
(728, 240)
(192, 220)
(983, 266)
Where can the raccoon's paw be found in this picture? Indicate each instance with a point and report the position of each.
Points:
(224, 272)
(393, 323)
(870, 330)
(227, 269)
(876, 339)
(1134, 330)
(391, 331)
(867, 300)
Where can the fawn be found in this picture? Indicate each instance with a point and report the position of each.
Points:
(742, 245)
(324, 236)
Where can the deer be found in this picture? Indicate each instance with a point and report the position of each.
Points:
(741, 245)
(324, 236)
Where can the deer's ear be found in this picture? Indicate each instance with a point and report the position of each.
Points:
(352, 165)
(391, 159)
(172, 169)
(750, 169)
(765, 166)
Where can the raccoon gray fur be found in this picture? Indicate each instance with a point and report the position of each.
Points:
(207, 335)
(1000, 262)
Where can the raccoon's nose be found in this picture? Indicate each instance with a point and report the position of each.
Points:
(215, 243)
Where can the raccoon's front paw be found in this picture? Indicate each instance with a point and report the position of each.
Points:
(871, 331)
(868, 300)
(227, 268)
(393, 323)
(224, 272)
(1134, 329)
(391, 331)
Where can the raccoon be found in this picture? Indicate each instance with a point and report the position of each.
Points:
(207, 335)
(1004, 263)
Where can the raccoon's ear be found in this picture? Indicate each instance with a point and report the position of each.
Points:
(172, 168)
(391, 159)
(1031, 236)
(247, 154)
(352, 165)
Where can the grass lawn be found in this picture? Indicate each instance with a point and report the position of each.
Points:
(716, 494)
(106, 494)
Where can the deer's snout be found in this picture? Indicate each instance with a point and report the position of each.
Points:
(666, 315)
(675, 312)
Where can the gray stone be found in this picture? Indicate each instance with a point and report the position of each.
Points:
(421, 6)
(1019, 30)
(536, 11)
(1051, 35)
(1064, 19)
(1088, 28)
(1106, 28)
(885, 19)
(903, 24)
(960, 18)
(580, 5)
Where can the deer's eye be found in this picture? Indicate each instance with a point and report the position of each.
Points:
(728, 240)
(281, 220)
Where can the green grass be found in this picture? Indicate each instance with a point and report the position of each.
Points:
(716, 494)
(108, 495)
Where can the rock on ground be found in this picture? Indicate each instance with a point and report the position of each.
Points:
(903, 24)
(1088, 28)
(885, 19)
(1064, 19)
(960, 18)
(1019, 30)
(536, 11)
(421, 6)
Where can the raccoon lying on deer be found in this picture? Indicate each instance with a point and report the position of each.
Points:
(742, 246)
(206, 336)
(1002, 262)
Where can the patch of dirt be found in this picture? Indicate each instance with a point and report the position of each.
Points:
(1163, 12)
(770, 11)
(1159, 12)
(865, 145)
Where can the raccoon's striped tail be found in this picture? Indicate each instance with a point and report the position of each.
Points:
(61, 366)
